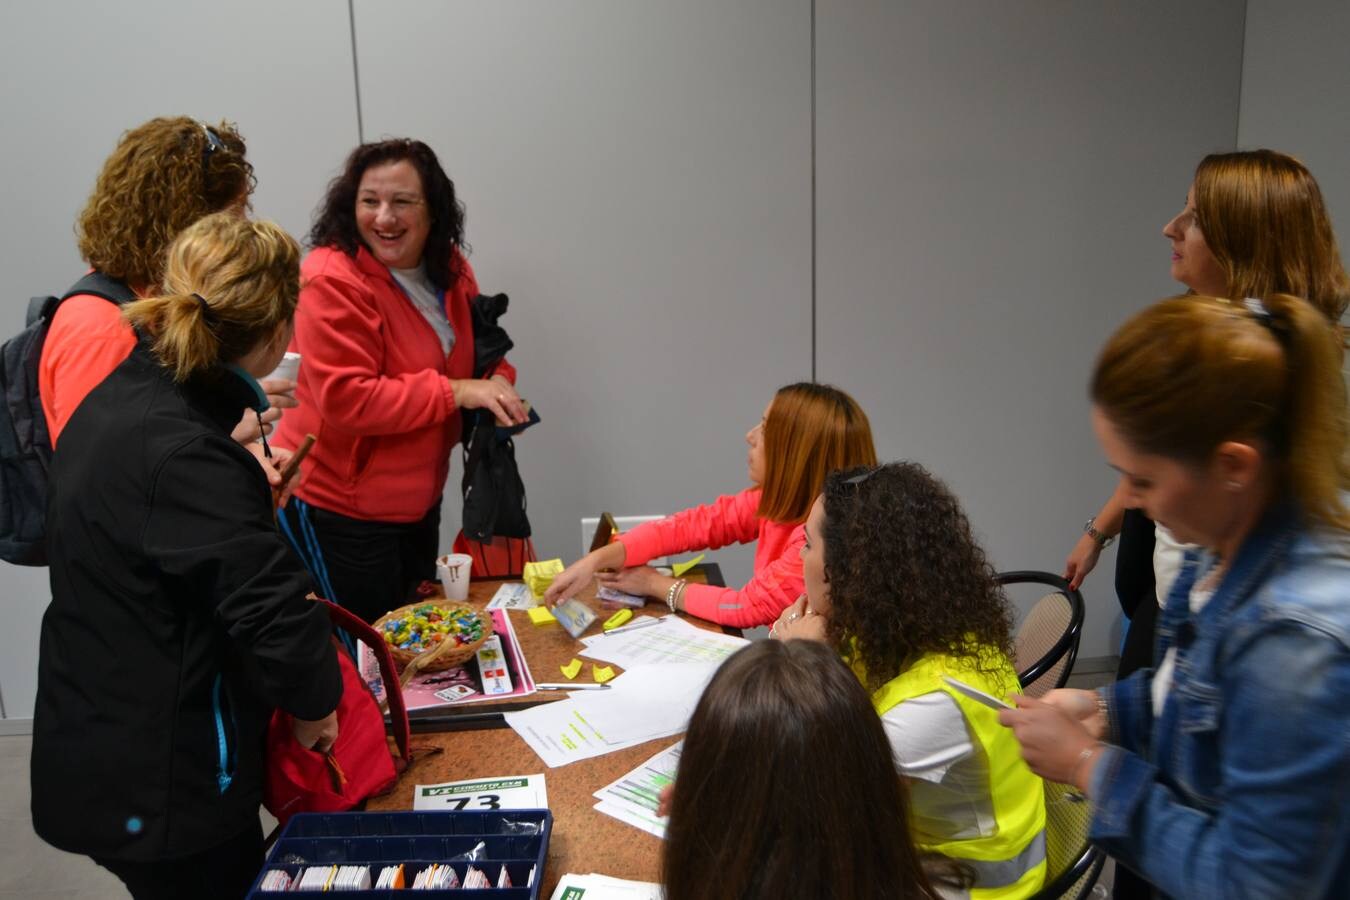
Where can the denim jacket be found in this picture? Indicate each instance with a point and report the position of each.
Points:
(1241, 787)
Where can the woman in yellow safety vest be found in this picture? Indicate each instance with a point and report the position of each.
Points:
(897, 584)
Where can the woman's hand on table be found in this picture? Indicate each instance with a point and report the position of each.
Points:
(799, 621)
(1055, 744)
(318, 735)
(578, 576)
(640, 581)
(663, 800)
(497, 395)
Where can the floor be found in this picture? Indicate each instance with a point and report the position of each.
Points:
(31, 869)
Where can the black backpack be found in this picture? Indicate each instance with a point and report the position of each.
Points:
(25, 444)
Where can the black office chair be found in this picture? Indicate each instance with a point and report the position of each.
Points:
(1046, 643)
(1072, 864)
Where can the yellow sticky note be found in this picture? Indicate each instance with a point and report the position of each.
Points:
(601, 674)
(572, 668)
(540, 615)
(618, 619)
(539, 575)
(678, 569)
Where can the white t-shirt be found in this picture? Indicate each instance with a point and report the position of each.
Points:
(422, 293)
(1168, 555)
(946, 766)
(1162, 678)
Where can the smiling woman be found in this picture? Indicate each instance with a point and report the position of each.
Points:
(386, 334)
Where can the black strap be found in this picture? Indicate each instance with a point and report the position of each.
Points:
(100, 285)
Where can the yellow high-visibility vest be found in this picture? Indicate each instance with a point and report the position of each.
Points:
(1010, 863)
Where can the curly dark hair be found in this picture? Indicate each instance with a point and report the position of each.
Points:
(335, 220)
(163, 176)
(906, 576)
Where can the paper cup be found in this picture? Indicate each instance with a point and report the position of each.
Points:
(453, 570)
(289, 367)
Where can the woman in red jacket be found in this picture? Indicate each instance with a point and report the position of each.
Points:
(808, 430)
(386, 338)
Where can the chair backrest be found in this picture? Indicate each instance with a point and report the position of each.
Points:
(1072, 863)
(1046, 643)
(625, 523)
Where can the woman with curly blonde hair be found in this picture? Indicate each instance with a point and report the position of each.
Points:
(897, 584)
(163, 176)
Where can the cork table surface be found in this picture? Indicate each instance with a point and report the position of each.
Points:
(583, 840)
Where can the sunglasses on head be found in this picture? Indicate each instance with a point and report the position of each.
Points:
(213, 143)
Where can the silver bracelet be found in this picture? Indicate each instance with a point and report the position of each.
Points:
(675, 591)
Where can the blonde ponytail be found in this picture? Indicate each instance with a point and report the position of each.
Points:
(228, 284)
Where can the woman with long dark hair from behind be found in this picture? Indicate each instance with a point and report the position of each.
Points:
(786, 788)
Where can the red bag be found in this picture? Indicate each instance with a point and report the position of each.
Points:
(503, 557)
(360, 765)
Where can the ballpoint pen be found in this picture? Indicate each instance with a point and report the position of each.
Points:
(634, 626)
(572, 687)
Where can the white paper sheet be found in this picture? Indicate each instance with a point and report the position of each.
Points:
(506, 792)
(646, 702)
(559, 733)
(672, 641)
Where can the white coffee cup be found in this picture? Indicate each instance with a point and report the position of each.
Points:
(288, 368)
(453, 570)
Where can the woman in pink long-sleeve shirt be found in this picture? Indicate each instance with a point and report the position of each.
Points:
(807, 431)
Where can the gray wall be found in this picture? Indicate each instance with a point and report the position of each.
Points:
(993, 180)
(990, 184)
(1296, 91)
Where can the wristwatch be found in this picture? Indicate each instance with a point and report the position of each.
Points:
(1102, 541)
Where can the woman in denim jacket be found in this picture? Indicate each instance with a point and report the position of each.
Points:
(1225, 771)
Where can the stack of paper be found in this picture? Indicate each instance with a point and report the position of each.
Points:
(601, 887)
(635, 797)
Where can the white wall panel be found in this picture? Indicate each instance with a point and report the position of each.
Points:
(637, 178)
(993, 179)
(75, 75)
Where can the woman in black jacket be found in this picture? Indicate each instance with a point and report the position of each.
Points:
(178, 619)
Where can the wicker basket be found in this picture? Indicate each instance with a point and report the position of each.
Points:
(442, 656)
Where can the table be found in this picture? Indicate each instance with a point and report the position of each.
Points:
(583, 840)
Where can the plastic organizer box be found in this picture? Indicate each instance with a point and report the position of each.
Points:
(514, 839)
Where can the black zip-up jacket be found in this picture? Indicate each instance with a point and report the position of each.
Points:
(178, 622)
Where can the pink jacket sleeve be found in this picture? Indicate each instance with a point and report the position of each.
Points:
(775, 587)
(339, 327)
(730, 519)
